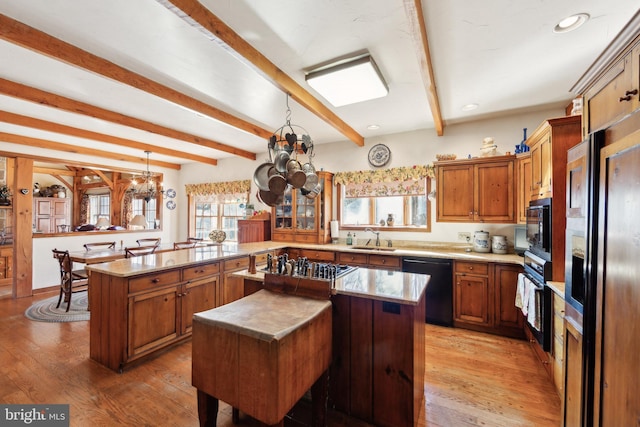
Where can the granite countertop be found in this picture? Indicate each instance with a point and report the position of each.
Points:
(557, 287)
(433, 250)
(185, 257)
(382, 285)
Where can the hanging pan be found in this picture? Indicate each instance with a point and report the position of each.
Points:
(261, 176)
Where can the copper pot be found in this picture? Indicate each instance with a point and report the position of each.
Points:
(295, 176)
(277, 183)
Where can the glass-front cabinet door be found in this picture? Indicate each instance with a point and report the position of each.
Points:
(284, 212)
(305, 212)
(300, 218)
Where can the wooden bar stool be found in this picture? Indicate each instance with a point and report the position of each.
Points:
(261, 354)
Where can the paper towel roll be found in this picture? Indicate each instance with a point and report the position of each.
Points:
(335, 230)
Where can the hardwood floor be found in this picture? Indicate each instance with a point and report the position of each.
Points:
(471, 379)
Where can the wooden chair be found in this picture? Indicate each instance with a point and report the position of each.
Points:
(71, 281)
(184, 245)
(63, 228)
(135, 251)
(100, 245)
(155, 241)
(195, 239)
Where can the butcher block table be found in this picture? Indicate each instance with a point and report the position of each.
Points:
(260, 354)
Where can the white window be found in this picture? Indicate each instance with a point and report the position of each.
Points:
(394, 198)
(99, 207)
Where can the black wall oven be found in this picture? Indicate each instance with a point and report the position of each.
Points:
(537, 271)
(539, 228)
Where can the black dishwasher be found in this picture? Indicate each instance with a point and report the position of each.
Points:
(439, 292)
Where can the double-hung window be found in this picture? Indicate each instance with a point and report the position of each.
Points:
(217, 206)
(99, 206)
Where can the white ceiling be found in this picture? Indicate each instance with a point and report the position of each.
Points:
(500, 54)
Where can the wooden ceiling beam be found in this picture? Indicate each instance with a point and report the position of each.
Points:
(415, 15)
(74, 149)
(198, 16)
(28, 93)
(53, 171)
(30, 38)
(20, 120)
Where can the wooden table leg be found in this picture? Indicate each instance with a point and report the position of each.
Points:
(207, 409)
(319, 396)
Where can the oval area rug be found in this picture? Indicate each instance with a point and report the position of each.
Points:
(46, 311)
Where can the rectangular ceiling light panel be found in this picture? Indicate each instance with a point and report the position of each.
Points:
(349, 82)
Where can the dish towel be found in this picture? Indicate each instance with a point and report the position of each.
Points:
(520, 291)
(527, 292)
(535, 308)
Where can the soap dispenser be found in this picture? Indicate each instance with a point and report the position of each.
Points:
(349, 239)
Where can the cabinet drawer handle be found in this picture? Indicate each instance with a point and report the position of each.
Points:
(627, 95)
(470, 268)
(156, 280)
(384, 260)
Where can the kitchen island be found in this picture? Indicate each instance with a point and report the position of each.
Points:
(145, 304)
(377, 369)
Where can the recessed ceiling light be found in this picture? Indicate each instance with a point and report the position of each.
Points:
(470, 107)
(571, 23)
(373, 127)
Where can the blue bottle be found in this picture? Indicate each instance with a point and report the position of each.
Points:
(524, 147)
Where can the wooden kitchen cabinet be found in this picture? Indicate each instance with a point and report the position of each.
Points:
(49, 212)
(523, 168)
(232, 288)
(557, 342)
(572, 404)
(385, 262)
(254, 230)
(509, 320)
(477, 190)
(615, 93)
(484, 298)
(133, 317)
(472, 297)
(197, 296)
(303, 220)
(549, 144)
(381, 384)
(148, 330)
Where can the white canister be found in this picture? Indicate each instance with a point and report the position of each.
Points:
(481, 241)
(499, 244)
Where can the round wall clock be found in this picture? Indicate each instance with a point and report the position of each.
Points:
(171, 205)
(171, 193)
(379, 155)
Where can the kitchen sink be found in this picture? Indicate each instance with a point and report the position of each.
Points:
(375, 248)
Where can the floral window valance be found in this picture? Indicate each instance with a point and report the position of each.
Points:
(402, 181)
(221, 192)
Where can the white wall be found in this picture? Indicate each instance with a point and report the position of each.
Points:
(408, 148)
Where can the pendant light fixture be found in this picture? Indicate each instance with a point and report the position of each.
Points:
(146, 189)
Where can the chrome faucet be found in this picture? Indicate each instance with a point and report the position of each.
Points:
(377, 233)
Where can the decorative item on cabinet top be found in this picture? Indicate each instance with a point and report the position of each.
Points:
(284, 169)
(488, 148)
